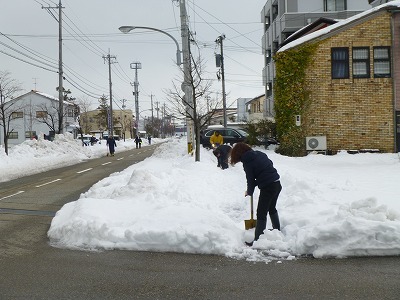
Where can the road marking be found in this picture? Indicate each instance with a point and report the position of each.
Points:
(83, 171)
(9, 196)
(27, 212)
(106, 163)
(120, 158)
(40, 185)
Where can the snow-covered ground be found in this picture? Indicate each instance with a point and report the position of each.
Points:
(340, 206)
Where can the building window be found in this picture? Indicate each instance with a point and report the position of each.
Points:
(269, 89)
(13, 135)
(17, 115)
(340, 63)
(30, 134)
(267, 22)
(274, 11)
(335, 5)
(275, 47)
(41, 114)
(361, 62)
(70, 112)
(382, 62)
(268, 56)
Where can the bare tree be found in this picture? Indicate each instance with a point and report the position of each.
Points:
(203, 106)
(84, 104)
(8, 87)
(50, 114)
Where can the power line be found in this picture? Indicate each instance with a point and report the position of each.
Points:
(83, 41)
(44, 57)
(78, 87)
(224, 24)
(20, 59)
(28, 56)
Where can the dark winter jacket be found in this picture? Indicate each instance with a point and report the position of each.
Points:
(111, 144)
(222, 154)
(259, 170)
(224, 150)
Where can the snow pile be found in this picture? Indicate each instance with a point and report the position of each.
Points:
(343, 205)
(330, 206)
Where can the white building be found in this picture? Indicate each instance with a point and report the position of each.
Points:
(242, 109)
(282, 18)
(28, 112)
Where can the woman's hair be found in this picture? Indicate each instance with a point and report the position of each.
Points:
(238, 150)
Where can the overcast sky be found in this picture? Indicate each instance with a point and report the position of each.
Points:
(91, 32)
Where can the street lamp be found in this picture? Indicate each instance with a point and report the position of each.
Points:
(186, 85)
(127, 29)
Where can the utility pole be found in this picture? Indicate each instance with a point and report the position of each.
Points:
(157, 109)
(60, 66)
(187, 87)
(152, 113)
(110, 60)
(219, 41)
(123, 118)
(163, 121)
(158, 119)
(136, 65)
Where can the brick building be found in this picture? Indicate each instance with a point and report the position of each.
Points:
(354, 81)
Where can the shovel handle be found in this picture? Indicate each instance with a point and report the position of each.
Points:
(251, 206)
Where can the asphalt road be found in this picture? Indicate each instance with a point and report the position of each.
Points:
(31, 269)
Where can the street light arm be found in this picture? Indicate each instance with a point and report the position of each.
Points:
(127, 29)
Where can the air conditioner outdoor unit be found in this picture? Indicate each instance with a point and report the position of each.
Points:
(316, 143)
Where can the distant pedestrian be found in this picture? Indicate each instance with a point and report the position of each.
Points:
(140, 142)
(149, 139)
(93, 140)
(222, 154)
(137, 139)
(111, 145)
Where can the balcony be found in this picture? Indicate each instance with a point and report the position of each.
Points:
(290, 22)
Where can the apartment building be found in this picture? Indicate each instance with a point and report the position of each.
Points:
(282, 18)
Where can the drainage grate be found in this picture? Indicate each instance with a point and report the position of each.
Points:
(27, 212)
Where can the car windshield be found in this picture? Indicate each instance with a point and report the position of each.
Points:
(242, 132)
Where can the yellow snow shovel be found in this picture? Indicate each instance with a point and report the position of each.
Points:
(248, 224)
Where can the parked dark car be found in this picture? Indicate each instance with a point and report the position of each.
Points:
(230, 135)
(267, 141)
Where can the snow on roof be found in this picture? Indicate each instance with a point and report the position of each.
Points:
(339, 24)
(50, 97)
(46, 95)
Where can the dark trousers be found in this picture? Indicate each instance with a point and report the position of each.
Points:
(223, 161)
(267, 200)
